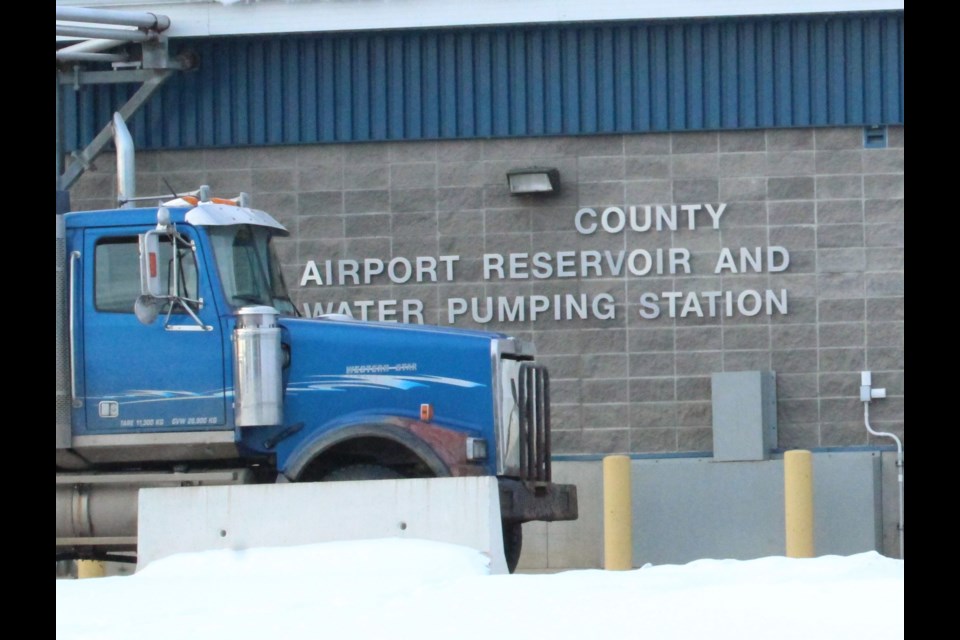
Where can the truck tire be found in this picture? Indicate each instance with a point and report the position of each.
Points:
(362, 472)
(512, 544)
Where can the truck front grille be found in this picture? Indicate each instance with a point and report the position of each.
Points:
(533, 400)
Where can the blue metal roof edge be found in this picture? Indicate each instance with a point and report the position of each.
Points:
(519, 81)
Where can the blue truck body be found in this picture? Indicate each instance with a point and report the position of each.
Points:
(154, 398)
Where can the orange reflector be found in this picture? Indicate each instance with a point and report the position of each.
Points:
(426, 412)
(223, 201)
(153, 265)
(192, 200)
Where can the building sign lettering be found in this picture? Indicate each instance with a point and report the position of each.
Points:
(569, 265)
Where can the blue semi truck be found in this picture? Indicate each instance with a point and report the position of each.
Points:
(182, 361)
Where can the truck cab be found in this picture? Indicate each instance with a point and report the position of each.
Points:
(182, 360)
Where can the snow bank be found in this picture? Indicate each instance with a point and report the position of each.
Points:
(403, 588)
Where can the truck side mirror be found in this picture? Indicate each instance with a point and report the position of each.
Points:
(146, 308)
(162, 280)
(150, 282)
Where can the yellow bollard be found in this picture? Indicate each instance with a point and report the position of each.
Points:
(617, 518)
(90, 569)
(798, 502)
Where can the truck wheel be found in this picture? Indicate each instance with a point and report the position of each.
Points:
(362, 472)
(512, 544)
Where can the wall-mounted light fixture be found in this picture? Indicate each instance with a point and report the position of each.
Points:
(533, 180)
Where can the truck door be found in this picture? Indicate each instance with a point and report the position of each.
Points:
(161, 377)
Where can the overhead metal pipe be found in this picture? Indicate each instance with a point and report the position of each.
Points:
(90, 46)
(143, 20)
(93, 57)
(128, 35)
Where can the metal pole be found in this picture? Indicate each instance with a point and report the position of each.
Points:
(59, 128)
(617, 516)
(798, 502)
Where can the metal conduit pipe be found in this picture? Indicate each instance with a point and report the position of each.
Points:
(868, 393)
(142, 20)
(866, 422)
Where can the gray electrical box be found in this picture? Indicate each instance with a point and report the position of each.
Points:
(744, 414)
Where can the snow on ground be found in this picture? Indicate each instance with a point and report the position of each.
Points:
(403, 588)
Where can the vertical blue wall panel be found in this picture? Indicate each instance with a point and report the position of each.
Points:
(819, 112)
(308, 89)
(256, 100)
(892, 72)
(800, 78)
(447, 72)
(836, 76)
(482, 100)
(676, 80)
(360, 83)
(782, 62)
(571, 95)
(729, 77)
(766, 80)
(431, 86)
(517, 68)
(536, 102)
(748, 82)
(395, 90)
(587, 80)
(798, 71)
(500, 69)
(659, 80)
(606, 93)
(693, 77)
(622, 81)
(712, 86)
(855, 84)
(343, 88)
(291, 98)
(553, 83)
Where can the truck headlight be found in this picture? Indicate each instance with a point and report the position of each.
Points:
(476, 449)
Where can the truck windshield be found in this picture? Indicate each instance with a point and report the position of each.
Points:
(248, 266)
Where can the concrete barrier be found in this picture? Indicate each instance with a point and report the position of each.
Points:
(464, 511)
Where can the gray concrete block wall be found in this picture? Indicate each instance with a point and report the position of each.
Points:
(627, 384)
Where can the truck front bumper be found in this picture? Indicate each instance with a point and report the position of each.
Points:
(527, 501)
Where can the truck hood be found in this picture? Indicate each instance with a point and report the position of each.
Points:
(347, 372)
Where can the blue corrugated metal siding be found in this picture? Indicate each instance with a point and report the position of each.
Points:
(518, 81)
